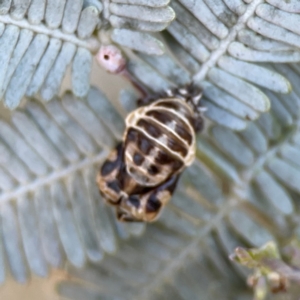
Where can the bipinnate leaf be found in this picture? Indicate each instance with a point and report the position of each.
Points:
(227, 44)
(40, 40)
(50, 207)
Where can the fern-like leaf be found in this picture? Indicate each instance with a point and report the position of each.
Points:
(224, 43)
(38, 41)
(49, 202)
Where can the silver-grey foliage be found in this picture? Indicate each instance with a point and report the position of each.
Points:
(227, 47)
(50, 208)
(243, 189)
(221, 42)
(39, 40)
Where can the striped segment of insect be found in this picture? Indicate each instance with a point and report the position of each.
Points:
(159, 142)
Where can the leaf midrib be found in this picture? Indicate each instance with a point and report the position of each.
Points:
(91, 44)
(224, 44)
(56, 175)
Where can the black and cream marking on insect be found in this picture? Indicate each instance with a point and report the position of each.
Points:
(140, 175)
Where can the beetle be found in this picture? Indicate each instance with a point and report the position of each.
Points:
(140, 174)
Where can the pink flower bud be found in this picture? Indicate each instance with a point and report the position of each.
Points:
(111, 59)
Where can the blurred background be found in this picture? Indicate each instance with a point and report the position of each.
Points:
(44, 289)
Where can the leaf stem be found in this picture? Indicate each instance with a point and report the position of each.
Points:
(224, 44)
(91, 44)
(55, 176)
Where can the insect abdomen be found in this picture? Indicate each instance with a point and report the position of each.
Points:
(159, 142)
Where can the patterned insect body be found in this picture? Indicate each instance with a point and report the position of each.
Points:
(159, 141)
(140, 175)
